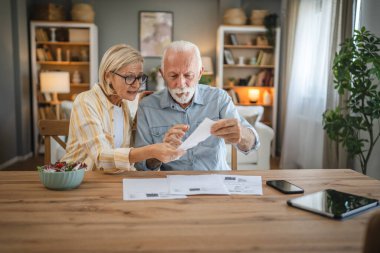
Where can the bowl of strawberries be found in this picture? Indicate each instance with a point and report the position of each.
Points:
(62, 175)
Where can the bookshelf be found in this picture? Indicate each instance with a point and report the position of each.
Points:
(61, 46)
(247, 67)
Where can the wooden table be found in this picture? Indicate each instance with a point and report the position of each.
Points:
(94, 218)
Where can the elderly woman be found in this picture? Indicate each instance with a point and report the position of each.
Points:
(101, 123)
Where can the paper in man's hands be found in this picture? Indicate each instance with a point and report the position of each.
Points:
(200, 134)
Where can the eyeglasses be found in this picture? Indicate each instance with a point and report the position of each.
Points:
(131, 79)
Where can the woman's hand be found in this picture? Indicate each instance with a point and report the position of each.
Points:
(174, 135)
(166, 152)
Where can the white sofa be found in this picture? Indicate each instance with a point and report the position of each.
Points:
(259, 159)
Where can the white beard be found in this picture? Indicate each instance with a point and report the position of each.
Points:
(185, 98)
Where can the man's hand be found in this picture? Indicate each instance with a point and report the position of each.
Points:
(233, 132)
(228, 129)
(174, 135)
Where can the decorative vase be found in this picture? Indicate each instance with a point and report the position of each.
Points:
(82, 12)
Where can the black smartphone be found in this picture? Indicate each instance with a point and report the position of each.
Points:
(284, 186)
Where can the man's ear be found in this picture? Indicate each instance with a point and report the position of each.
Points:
(162, 74)
(201, 72)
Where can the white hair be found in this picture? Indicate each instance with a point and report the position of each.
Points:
(182, 46)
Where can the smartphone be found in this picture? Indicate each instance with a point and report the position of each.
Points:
(284, 186)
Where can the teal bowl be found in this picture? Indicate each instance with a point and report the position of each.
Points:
(62, 180)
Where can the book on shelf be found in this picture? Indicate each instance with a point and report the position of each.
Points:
(44, 54)
(40, 52)
(41, 35)
(259, 57)
(260, 81)
(234, 96)
(266, 59)
(252, 80)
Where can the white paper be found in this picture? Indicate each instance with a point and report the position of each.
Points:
(196, 184)
(200, 134)
(151, 188)
(244, 185)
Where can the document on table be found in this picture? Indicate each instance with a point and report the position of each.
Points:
(196, 184)
(145, 189)
(200, 134)
(244, 185)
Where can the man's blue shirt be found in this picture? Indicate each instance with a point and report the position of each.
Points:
(158, 112)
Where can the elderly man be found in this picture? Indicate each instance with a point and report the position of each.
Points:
(172, 114)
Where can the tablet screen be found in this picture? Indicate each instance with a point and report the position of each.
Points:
(333, 203)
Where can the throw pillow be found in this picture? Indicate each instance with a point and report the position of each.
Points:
(252, 119)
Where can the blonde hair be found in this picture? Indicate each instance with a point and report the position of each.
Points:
(115, 58)
(182, 46)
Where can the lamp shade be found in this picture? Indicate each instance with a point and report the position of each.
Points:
(254, 95)
(207, 65)
(54, 81)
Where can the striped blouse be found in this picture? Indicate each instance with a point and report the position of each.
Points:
(91, 134)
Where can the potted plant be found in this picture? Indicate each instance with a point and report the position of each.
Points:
(356, 70)
(270, 23)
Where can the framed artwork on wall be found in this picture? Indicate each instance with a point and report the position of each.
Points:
(156, 32)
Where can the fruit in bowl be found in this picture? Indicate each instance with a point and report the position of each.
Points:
(62, 175)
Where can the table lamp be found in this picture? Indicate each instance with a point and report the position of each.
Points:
(253, 95)
(55, 82)
(207, 65)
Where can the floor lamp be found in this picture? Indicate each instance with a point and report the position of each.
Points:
(55, 82)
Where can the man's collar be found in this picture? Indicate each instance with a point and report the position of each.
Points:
(167, 100)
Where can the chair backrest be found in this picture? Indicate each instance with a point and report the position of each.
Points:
(233, 158)
(371, 241)
(53, 129)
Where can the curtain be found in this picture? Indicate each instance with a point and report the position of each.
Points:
(307, 88)
(335, 155)
(289, 22)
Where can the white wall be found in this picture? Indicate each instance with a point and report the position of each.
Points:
(370, 18)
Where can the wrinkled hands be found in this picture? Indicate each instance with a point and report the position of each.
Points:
(175, 134)
(228, 129)
(167, 151)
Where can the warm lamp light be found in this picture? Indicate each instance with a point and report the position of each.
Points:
(207, 65)
(253, 95)
(55, 82)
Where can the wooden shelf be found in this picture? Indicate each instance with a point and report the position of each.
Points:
(248, 66)
(251, 104)
(63, 62)
(248, 87)
(80, 85)
(247, 47)
(63, 43)
(79, 56)
(241, 43)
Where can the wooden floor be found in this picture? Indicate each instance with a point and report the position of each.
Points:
(28, 164)
(32, 163)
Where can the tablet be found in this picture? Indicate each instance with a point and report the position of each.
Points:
(333, 204)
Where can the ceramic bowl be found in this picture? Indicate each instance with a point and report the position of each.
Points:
(62, 180)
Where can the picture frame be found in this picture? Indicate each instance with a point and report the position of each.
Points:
(229, 59)
(233, 39)
(155, 32)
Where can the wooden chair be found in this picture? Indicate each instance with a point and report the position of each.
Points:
(53, 129)
(371, 241)
(233, 158)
